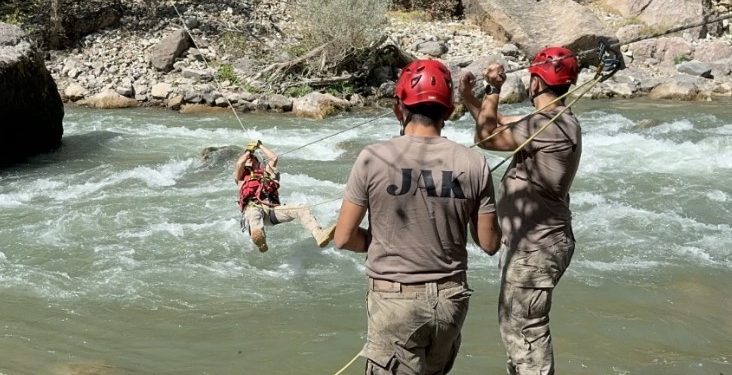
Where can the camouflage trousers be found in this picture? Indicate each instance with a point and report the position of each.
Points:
(414, 329)
(256, 216)
(528, 279)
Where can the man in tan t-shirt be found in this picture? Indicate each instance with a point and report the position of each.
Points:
(534, 206)
(422, 192)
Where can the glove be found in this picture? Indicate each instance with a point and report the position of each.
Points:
(251, 146)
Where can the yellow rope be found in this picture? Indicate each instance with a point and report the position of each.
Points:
(551, 121)
(508, 126)
(348, 364)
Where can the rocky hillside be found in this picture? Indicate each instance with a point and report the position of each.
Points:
(251, 53)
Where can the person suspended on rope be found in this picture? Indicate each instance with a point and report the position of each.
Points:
(259, 200)
(534, 213)
(422, 193)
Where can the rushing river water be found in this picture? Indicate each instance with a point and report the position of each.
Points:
(121, 252)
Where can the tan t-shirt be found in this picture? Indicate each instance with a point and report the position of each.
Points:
(421, 194)
(534, 199)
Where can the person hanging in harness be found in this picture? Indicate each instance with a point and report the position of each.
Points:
(259, 199)
(533, 209)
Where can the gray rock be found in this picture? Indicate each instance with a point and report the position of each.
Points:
(434, 49)
(161, 90)
(280, 103)
(217, 157)
(191, 22)
(197, 75)
(695, 68)
(676, 89)
(175, 102)
(513, 90)
(387, 90)
(509, 49)
(168, 49)
(125, 91)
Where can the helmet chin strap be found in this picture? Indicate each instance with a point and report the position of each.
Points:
(404, 123)
(541, 92)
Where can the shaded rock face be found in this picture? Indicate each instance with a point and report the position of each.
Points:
(79, 19)
(31, 111)
(533, 25)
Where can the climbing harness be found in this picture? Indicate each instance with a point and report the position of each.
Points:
(257, 187)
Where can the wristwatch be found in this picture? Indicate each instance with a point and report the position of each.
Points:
(490, 90)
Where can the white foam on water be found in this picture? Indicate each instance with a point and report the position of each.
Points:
(164, 175)
(11, 200)
(635, 152)
(717, 196)
(721, 130)
(24, 192)
(672, 127)
(598, 122)
(625, 265)
(606, 223)
(284, 272)
(582, 198)
(3, 258)
(303, 180)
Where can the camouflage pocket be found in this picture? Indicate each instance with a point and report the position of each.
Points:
(529, 303)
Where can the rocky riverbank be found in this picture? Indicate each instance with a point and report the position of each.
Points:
(152, 61)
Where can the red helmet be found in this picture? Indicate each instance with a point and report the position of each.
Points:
(557, 66)
(426, 81)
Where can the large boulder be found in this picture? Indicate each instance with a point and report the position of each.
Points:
(170, 48)
(31, 111)
(665, 14)
(676, 88)
(318, 105)
(532, 25)
(108, 99)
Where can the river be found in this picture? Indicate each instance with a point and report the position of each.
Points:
(121, 253)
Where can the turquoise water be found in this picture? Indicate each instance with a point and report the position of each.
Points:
(121, 252)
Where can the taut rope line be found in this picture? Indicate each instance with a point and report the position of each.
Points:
(218, 84)
(672, 30)
(336, 133)
(551, 121)
(535, 111)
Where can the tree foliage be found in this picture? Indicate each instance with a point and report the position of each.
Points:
(344, 25)
(436, 9)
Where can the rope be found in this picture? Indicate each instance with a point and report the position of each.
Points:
(218, 84)
(336, 133)
(508, 126)
(672, 30)
(348, 364)
(551, 121)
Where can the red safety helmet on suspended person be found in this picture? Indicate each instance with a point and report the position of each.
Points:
(556, 66)
(426, 81)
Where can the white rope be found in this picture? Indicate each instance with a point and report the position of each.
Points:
(218, 84)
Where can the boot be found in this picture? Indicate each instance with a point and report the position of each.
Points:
(259, 239)
(324, 236)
